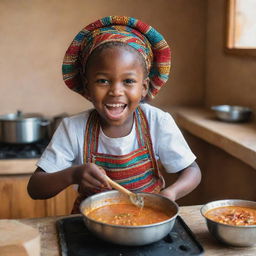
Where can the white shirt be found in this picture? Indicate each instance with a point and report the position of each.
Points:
(66, 146)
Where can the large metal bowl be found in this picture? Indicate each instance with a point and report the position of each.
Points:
(230, 113)
(231, 234)
(129, 235)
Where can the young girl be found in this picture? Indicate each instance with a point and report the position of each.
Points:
(117, 63)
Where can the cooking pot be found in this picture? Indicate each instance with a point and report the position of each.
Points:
(22, 127)
(129, 235)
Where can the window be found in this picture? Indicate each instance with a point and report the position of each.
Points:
(241, 27)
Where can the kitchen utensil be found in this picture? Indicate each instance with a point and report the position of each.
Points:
(230, 113)
(134, 198)
(22, 127)
(129, 235)
(231, 234)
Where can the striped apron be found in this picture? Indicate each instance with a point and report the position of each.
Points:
(137, 171)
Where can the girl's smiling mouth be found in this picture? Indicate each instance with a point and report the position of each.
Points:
(115, 110)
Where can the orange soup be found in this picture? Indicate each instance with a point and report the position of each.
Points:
(233, 215)
(128, 215)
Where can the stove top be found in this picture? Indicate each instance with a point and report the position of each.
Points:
(20, 151)
(76, 240)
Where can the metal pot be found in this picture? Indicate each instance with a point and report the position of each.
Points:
(22, 128)
(129, 235)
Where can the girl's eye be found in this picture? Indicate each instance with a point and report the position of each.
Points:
(102, 81)
(129, 81)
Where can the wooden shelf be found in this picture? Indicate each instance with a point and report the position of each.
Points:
(237, 139)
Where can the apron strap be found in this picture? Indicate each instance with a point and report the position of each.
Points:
(91, 136)
(147, 138)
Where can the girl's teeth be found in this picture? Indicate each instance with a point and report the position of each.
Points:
(114, 110)
(115, 105)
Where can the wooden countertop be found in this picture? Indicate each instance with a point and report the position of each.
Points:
(191, 215)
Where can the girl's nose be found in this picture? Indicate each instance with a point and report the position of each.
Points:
(116, 89)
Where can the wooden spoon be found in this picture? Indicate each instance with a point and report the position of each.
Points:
(134, 198)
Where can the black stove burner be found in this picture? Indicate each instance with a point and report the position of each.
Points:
(20, 151)
(76, 240)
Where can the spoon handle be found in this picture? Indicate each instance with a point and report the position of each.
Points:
(118, 187)
(134, 198)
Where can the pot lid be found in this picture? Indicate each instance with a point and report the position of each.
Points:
(19, 116)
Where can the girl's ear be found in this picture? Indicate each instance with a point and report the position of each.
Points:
(145, 88)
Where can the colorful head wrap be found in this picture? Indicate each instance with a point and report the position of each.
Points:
(145, 39)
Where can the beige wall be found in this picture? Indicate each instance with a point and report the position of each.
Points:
(36, 33)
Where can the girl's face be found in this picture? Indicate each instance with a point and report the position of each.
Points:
(115, 84)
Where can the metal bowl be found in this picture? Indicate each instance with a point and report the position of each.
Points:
(230, 113)
(129, 235)
(231, 234)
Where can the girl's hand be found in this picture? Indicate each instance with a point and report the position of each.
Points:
(90, 178)
(169, 194)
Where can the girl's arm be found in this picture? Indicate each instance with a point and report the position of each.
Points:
(43, 185)
(189, 178)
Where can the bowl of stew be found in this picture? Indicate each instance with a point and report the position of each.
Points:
(231, 221)
(112, 217)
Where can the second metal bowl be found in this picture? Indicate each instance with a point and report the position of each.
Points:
(230, 113)
(230, 234)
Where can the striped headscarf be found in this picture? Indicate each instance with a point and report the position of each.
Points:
(142, 37)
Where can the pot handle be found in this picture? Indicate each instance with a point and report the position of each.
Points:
(44, 122)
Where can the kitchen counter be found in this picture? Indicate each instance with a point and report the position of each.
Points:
(17, 166)
(191, 215)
